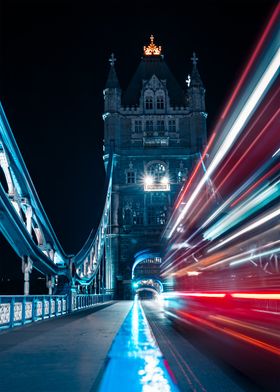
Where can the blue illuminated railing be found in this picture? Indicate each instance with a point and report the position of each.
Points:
(19, 310)
(82, 301)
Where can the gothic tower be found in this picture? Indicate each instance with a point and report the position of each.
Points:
(158, 129)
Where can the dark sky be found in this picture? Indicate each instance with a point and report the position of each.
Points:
(54, 64)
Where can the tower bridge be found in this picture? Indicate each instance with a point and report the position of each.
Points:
(209, 267)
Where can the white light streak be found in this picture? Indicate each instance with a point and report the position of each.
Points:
(234, 217)
(248, 228)
(276, 152)
(254, 256)
(181, 245)
(236, 128)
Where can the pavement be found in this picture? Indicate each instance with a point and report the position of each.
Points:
(64, 354)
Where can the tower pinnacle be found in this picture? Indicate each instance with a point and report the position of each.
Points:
(112, 60)
(194, 58)
(112, 80)
(195, 79)
(152, 49)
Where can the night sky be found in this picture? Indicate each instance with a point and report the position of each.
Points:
(54, 65)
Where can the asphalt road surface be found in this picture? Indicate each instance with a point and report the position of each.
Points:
(192, 357)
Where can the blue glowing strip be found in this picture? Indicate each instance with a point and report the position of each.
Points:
(135, 360)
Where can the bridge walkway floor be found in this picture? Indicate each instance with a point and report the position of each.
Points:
(64, 354)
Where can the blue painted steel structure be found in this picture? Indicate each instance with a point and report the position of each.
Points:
(26, 226)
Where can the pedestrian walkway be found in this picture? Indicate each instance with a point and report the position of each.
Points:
(64, 354)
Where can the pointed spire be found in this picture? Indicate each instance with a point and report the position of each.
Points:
(112, 60)
(195, 77)
(112, 80)
(194, 59)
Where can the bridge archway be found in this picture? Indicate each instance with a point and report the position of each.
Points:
(151, 283)
(145, 256)
(147, 293)
(145, 273)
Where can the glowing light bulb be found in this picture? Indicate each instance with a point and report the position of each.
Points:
(148, 180)
(165, 180)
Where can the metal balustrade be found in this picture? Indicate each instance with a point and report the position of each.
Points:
(84, 301)
(19, 310)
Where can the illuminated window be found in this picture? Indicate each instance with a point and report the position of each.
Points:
(138, 126)
(149, 102)
(156, 177)
(172, 125)
(157, 171)
(160, 103)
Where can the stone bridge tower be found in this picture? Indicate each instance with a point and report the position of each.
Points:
(158, 129)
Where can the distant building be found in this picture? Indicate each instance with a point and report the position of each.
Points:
(158, 128)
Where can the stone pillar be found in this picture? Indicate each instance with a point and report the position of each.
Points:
(26, 269)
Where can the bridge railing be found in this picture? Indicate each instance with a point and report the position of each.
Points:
(18, 310)
(83, 301)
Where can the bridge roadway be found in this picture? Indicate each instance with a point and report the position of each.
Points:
(69, 354)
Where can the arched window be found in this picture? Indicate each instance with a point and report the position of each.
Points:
(148, 99)
(160, 102)
(157, 170)
(149, 102)
(156, 177)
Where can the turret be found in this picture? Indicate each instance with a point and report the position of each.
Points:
(112, 105)
(196, 95)
(196, 90)
(112, 91)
